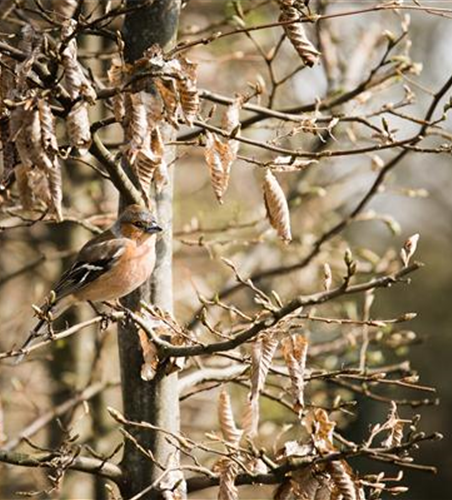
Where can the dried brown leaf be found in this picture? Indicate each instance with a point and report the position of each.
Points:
(150, 357)
(32, 127)
(261, 357)
(395, 426)
(219, 159)
(170, 98)
(342, 478)
(186, 85)
(276, 205)
(230, 431)
(295, 32)
(30, 44)
(116, 75)
(50, 159)
(148, 161)
(47, 120)
(231, 117)
(76, 82)
(295, 349)
(78, 127)
(231, 124)
(137, 131)
(228, 470)
(320, 428)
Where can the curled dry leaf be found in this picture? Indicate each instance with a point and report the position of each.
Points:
(186, 85)
(228, 470)
(219, 159)
(78, 127)
(295, 349)
(168, 92)
(116, 75)
(231, 117)
(30, 44)
(150, 358)
(33, 131)
(145, 150)
(277, 208)
(295, 32)
(230, 431)
(341, 475)
(261, 357)
(395, 426)
(136, 122)
(76, 82)
(47, 121)
(231, 123)
(51, 161)
(302, 484)
(320, 428)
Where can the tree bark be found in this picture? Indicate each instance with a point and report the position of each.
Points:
(156, 401)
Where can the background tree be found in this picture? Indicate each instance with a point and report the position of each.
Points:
(303, 113)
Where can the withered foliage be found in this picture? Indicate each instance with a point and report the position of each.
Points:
(295, 349)
(219, 158)
(285, 334)
(262, 354)
(296, 33)
(277, 207)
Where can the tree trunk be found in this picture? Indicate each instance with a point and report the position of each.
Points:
(157, 401)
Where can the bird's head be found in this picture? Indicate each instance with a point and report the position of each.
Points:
(138, 223)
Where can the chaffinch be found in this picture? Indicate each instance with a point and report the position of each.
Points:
(109, 266)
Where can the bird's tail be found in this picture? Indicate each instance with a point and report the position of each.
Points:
(46, 314)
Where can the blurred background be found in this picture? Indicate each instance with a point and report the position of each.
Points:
(415, 199)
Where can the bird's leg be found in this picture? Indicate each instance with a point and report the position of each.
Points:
(105, 321)
(95, 309)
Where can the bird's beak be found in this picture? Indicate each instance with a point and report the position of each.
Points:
(153, 228)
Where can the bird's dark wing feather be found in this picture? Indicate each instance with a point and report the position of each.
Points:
(94, 259)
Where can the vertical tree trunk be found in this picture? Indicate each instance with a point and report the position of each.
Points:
(157, 401)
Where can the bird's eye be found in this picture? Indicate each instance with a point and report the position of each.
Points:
(138, 224)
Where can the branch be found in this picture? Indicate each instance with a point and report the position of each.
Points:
(115, 316)
(95, 466)
(119, 178)
(279, 474)
(209, 375)
(293, 305)
(340, 226)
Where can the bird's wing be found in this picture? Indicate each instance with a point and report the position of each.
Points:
(97, 257)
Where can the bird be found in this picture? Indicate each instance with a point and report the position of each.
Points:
(109, 266)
